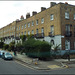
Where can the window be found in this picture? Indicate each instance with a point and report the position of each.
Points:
(42, 20)
(67, 28)
(22, 26)
(28, 32)
(12, 28)
(36, 31)
(52, 42)
(22, 33)
(25, 25)
(66, 15)
(19, 27)
(25, 32)
(52, 29)
(19, 34)
(74, 16)
(32, 31)
(67, 45)
(42, 30)
(51, 17)
(36, 22)
(32, 23)
(28, 24)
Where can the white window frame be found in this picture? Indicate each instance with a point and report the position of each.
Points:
(19, 27)
(32, 31)
(42, 30)
(21, 33)
(66, 15)
(37, 22)
(42, 20)
(25, 25)
(32, 23)
(25, 32)
(52, 29)
(67, 45)
(74, 16)
(22, 26)
(51, 17)
(37, 31)
(29, 24)
(28, 32)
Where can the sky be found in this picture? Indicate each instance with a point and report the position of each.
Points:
(12, 10)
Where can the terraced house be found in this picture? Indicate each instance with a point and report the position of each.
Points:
(55, 25)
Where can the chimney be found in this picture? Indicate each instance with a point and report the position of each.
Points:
(27, 15)
(22, 18)
(66, 3)
(43, 8)
(34, 13)
(52, 4)
(17, 20)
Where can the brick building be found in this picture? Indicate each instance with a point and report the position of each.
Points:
(55, 25)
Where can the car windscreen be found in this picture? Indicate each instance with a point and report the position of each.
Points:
(8, 54)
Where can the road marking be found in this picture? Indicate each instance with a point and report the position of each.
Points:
(53, 66)
(24, 65)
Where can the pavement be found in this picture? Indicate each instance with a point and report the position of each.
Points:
(44, 65)
(40, 64)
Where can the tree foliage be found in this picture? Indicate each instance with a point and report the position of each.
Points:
(36, 48)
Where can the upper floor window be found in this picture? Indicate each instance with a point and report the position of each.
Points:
(37, 31)
(25, 32)
(28, 24)
(28, 32)
(42, 30)
(19, 27)
(25, 25)
(36, 22)
(42, 20)
(32, 31)
(19, 33)
(32, 23)
(22, 26)
(22, 33)
(74, 16)
(51, 17)
(52, 29)
(67, 28)
(66, 15)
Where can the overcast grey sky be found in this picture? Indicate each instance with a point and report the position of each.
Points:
(12, 10)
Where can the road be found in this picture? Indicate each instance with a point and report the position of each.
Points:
(14, 67)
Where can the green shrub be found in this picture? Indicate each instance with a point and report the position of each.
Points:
(36, 48)
(5, 46)
(1, 44)
(11, 46)
(19, 47)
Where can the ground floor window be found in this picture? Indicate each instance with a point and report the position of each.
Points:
(52, 42)
(67, 45)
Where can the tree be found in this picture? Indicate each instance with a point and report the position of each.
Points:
(11, 46)
(1, 44)
(5, 46)
(23, 37)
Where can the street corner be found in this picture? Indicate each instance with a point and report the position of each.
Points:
(54, 66)
(66, 66)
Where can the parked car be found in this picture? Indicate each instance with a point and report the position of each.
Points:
(7, 55)
(1, 52)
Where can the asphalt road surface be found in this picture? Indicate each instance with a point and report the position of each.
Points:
(17, 68)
